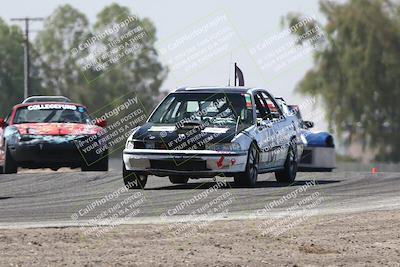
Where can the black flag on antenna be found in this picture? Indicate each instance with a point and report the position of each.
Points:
(239, 75)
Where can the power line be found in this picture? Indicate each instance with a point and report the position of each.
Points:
(26, 53)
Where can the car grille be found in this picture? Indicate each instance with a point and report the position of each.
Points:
(187, 165)
(162, 146)
(138, 144)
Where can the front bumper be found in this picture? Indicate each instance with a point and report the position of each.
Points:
(193, 163)
(318, 159)
(42, 153)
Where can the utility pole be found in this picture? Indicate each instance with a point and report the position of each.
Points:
(26, 53)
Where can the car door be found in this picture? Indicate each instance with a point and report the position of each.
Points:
(282, 129)
(264, 132)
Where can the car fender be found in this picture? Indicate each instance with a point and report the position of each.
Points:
(11, 136)
(244, 140)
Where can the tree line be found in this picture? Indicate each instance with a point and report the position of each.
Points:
(57, 71)
(356, 72)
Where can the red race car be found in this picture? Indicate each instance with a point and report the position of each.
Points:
(42, 132)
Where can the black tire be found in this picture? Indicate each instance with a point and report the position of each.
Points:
(100, 166)
(10, 165)
(178, 179)
(288, 174)
(133, 180)
(249, 177)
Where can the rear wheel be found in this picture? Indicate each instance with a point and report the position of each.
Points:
(178, 179)
(10, 165)
(249, 177)
(288, 174)
(132, 179)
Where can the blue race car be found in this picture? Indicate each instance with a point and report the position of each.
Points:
(319, 153)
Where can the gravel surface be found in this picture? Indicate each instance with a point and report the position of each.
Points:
(358, 239)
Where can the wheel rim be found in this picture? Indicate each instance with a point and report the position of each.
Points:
(253, 164)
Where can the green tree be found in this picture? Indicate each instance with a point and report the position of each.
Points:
(65, 29)
(357, 72)
(140, 72)
(64, 73)
(12, 68)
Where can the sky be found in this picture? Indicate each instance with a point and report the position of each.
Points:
(249, 24)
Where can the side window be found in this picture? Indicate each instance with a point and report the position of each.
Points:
(274, 109)
(260, 107)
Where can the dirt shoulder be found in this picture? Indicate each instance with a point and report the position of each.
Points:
(367, 239)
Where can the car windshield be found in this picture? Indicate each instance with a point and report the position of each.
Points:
(214, 109)
(47, 113)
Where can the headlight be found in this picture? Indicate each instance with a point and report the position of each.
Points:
(224, 147)
(12, 135)
(129, 144)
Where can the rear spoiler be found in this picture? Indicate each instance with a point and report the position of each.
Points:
(45, 98)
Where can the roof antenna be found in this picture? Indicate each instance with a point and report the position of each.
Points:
(229, 71)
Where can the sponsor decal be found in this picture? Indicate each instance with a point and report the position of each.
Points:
(249, 105)
(220, 162)
(162, 129)
(51, 106)
(215, 130)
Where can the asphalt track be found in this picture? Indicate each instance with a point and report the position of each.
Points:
(47, 198)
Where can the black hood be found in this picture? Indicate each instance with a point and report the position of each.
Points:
(175, 138)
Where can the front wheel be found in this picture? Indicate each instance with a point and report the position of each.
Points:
(249, 177)
(132, 179)
(288, 174)
(10, 165)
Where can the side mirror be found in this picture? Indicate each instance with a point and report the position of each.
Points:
(309, 124)
(101, 123)
(3, 123)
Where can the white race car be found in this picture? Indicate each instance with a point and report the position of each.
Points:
(214, 131)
